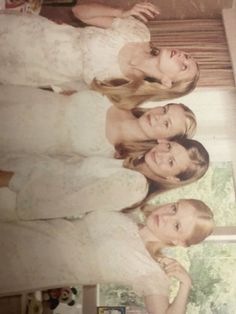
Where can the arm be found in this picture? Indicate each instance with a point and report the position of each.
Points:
(112, 193)
(103, 16)
(157, 304)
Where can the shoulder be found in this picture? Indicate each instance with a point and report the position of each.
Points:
(131, 28)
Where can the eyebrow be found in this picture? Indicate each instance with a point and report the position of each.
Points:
(168, 120)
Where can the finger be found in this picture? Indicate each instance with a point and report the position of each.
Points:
(167, 260)
(171, 268)
(140, 16)
(144, 11)
(148, 6)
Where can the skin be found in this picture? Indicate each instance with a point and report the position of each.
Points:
(167, 159)
(172, 65)
(168, 66)
(166, 217)
(157, 123)
(172, 223)
(163, 122)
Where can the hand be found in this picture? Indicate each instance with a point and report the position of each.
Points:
(142, 11)
(174, 269)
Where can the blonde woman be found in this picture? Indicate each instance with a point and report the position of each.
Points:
(65, 55)
(105, 247)
(86, 123)
(49, 187)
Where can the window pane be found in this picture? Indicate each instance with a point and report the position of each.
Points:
(216, 189)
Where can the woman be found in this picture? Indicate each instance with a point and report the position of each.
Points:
(65, 55)
(86, 123)
(49, 187)
(105, 247)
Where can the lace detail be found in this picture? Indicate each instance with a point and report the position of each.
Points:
(53, 55)
(67, 125)
(48, 187)
(103, 247)
(58, 54)
(94, 40)
(122, 256)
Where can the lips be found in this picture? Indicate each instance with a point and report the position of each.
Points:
(149, 119)
(157, 219)
(153, 156)
(173, 53)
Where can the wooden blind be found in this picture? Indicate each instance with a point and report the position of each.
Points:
(205, 40)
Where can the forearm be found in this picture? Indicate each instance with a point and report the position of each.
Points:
(178, 306)
(88, 13)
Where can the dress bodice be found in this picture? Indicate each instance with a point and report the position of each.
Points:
(103, 247)
(38, 121)
(71, 186)
(61, 55)
(103, 63)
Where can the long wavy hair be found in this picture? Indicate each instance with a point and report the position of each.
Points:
(190, 119)
(203, 227)
(128, 94)
(133, 154)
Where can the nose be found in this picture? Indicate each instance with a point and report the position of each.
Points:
(164, 147)
(167, 218)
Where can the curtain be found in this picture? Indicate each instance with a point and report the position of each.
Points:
(205, 40)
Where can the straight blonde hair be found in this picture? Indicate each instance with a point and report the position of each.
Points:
(133, 154)
(202, 229)
(190, 119)
(128, 94)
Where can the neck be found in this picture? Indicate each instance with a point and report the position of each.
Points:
(122, 126)
(130, 130)
(131, 57)
(147, 236)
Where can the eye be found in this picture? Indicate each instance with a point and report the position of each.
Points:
(174, 208)
(164, 110)
(184, 67)
(166, 124)
(168, 146)
(176, 226)
(187, 56)
(171, 162)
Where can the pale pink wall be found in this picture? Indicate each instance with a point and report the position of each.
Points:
(179, 9)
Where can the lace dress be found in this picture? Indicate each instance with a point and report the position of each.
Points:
(38, 52)
(103, 247)
(38, 121)
(71, 186)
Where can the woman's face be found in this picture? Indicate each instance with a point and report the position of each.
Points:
(172, 65)
(163, 122)
(173, 223)
(167, 159)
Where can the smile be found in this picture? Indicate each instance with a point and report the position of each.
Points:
(149, 120)
(157, 219)
(173, 53)
(153, 156)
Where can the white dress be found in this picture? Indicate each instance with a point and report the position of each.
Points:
(38, 121)
(71, 186)
(37, 52)
(103, 247)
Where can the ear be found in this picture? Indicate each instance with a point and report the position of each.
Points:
(166, 81)
(172, 179)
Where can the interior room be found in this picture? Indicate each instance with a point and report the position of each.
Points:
(206, 29)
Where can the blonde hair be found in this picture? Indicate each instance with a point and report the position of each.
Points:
(129, 94)
(190, 119)
(133, 154)
(202, 229)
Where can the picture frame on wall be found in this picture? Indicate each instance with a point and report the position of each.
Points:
(111, 310)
